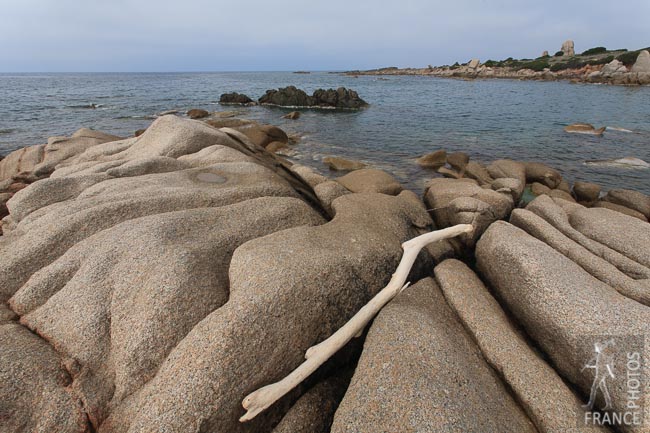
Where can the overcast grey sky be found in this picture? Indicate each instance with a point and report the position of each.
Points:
(202, 35)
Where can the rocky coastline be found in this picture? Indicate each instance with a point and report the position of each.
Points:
(616, 68)
(150, 283)
(292, 97)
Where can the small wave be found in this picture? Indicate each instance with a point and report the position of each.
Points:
(627, 162)
(617, 128)
(91, 106)
(135, 117)
(7, 131)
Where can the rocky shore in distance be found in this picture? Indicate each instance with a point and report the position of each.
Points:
(150, 283)
(597, 65)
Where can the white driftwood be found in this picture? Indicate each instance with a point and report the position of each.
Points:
(316, 356)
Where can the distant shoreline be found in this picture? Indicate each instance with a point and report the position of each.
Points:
(596, 66)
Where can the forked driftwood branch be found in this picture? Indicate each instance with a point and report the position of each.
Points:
(316, 356)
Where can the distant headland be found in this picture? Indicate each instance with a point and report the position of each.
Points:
(595, 65)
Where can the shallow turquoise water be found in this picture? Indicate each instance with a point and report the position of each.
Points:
(408, 116)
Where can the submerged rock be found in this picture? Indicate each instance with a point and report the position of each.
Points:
(341, 164)
(294, 115)
(584, 128)
(371, 180)
(433, 160)
(197, 113)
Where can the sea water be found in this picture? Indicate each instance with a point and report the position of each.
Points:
(408, 116)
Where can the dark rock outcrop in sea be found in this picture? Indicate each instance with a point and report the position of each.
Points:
(151, 283)
(235, 98)
(293, 97)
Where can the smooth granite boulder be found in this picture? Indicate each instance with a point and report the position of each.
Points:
(542, 173)
(550, 404)
(462, 201)
(622, 233)
(329, 191)
(568, 313)
(586, 192)
(308, 175)
(341, 164)
(273, 315)
(197, 113)
(370, 180)
(558, 213)
(620, 208)
(631, 199)
(508, 169)
(314, 411)
(509, 186)
(639, 290)
(477, 171)
(33, 385)
(157, 269)
(42, 159)
(458, 161)
(156, 277)
(421, 372)
(433, 160)
(263, 135)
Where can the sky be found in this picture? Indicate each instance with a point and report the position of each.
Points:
(287, 35)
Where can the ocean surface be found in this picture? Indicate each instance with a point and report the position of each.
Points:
(408, 116)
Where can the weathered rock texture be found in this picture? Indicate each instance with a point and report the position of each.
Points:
(421, 372)
(174, 273)
(548, 401)
(563, 307)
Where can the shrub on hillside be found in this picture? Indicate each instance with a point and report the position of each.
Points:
(628, 58)
(602, 61)
(595, 50)
(559, 54)
(535, 65)
(572, 63)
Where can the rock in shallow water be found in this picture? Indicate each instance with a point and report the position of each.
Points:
(341, 164)
(433, 160)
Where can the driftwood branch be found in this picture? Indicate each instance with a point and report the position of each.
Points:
(316, 356)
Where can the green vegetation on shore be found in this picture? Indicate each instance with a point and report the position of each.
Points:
(559, 62)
